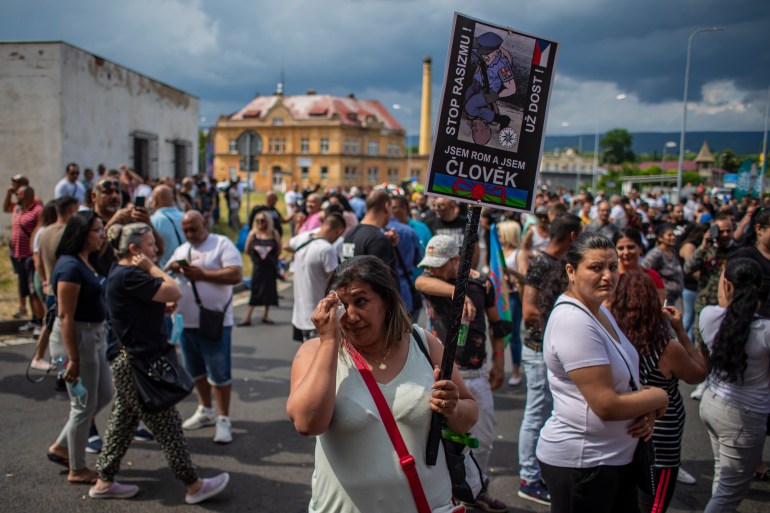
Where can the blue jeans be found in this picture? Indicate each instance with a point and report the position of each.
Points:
(515, 342)
(208, 358)
(688, 311)
(737, 436)
(536, 411)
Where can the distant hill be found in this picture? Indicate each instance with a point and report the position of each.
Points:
(741, 143)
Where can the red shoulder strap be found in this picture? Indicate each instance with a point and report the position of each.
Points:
(406, 459)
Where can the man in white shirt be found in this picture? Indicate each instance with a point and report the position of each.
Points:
(212, 265)
(314, 260)
(70, 185)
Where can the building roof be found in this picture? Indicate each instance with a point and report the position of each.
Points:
(671, 165)
(704, 155)
(347, 110)
(64, 43)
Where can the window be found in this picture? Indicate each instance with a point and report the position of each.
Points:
(304, 145)
(231, 172)
(145, 157)
(354, 147)
(372, 174)
(373, 148)
(346, 151)
(392, 150)
(182, 158)
(233, 146)
(324, 145)
(393, 175)
(277, 121)
(324, 172)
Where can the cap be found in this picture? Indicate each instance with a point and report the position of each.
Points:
(488, 42)
(541, 211)
(20, 178)
(440, 250)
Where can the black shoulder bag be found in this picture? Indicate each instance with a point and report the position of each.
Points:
(161, 382)
(210, 322)
(644, 455)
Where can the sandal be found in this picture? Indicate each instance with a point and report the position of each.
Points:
(267, 321)
(55, 458)
(244, 323)
(88, 480)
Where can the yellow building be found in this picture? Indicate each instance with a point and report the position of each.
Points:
(313, 139)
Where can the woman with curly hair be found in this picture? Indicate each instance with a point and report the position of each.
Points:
(735, 406)
(663, 361)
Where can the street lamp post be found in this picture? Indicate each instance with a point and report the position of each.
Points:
(397, 106)
(580, 153)
(679, 167)
(669, 144)
(596, 141)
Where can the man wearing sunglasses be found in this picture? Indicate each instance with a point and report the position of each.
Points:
(70, 185)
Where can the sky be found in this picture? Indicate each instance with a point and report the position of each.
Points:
(227, 51)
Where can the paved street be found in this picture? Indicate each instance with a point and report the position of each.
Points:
(269, 463)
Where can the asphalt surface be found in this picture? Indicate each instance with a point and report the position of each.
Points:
(269, 463)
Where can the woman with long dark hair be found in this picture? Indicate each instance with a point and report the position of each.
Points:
(629, 245)
(77, 338)
(691, 239)
(663, 362)
(587, 445)
(736, 403)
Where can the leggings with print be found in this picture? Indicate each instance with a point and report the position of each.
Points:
(125, 417)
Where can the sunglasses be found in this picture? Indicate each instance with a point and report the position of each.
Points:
(107, 185)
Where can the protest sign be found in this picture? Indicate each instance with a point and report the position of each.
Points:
(493, 109)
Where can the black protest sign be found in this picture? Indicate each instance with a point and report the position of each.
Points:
(493, 108)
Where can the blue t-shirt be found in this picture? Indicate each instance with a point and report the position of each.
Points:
(90, 305)
(411, 253)
(167, 221)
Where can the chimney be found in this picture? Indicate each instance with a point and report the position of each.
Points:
(426, 138)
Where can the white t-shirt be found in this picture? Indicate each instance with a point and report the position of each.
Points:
(234, 197)
(67, 188)
(752, 393)
(143, 190)
(290, 199)
(312, 263)
(216, 252)
(574, 436)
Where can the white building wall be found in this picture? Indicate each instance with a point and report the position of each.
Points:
(60, 104)
(30, 117)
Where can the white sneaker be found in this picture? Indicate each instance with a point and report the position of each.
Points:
(201, 418)
(697, 393)
(685, 477)
(514, 380)
(224, 434)
(211, 487)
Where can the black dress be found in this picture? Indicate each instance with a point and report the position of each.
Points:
(264, 258)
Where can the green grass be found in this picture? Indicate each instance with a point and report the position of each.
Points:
(7, 276)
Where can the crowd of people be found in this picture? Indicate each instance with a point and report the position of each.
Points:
(612, 301)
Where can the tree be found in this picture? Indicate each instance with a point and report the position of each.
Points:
(728, 161)
(616, 146)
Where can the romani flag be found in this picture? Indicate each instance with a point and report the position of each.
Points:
(497, 276)
(542, 51)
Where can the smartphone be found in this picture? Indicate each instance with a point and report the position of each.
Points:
(139, 202)
(714, 233)
(183, 263)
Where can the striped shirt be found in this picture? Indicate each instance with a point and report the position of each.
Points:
(667, 435)
(24, 223)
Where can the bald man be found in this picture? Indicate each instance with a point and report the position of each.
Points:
(207, 265)
(167, 221)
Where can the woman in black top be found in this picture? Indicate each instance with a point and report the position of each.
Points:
(77, 340)
(138, 293)
(662, 362)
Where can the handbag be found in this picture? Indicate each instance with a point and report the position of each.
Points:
(643, 463)
(210, 322)
(405, 459)
(464, 470)
(161, 382)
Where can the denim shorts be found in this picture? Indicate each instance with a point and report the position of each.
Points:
(208, 358)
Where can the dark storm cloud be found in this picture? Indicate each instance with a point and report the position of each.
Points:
(225, 52)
